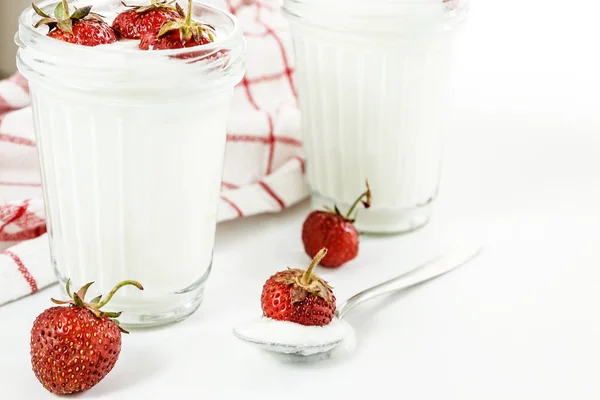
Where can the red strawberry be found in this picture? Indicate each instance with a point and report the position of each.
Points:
(334, 231)
(179, 34)
(299, 296)
(83, 27)
(75, 347)
(138, 21)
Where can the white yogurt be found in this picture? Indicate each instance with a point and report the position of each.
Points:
(287, 338)
(371, 81)
(131, 149)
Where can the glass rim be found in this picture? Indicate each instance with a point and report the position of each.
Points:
(367, 7)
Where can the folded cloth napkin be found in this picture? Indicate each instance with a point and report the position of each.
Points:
(263, 172)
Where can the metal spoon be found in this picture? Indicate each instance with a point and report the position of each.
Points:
(420, 274)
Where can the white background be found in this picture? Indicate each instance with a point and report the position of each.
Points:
(520, 322)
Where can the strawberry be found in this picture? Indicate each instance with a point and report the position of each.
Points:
(140, 20)
(83, 27)
(299, 296)
(179, 34)
(334, 231)
(75, 347)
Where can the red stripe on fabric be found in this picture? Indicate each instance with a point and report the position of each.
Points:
(20, 81)
(247, 138)
(263, 139)
(302, 164)
(286, 64)
(233, 205)
(266, 78)
(249, 94)
(23, 235)
(20, 184)
(271, 144)
(272, 193)
(4, 106)
(230, 7)
(29, 221)
(16, 140)
(23, 270)
(14, 214)
(290, 141)
(20, 216)
(229, 185)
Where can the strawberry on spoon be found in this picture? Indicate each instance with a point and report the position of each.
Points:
(335, 231)
(299, 296)
(140, 20)
(75, 347)
(83, 27)
(180, 33)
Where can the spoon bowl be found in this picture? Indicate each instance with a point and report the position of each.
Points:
(291, 338)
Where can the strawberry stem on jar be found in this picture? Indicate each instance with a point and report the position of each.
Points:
(188, 17)
(305, 280)
(366, 202)
(102, 303)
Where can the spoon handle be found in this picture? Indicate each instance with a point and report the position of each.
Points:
(422, 273)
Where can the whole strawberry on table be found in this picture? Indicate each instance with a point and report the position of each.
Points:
(335, 231)
(82, 27)
(299, 296)
(75, 345)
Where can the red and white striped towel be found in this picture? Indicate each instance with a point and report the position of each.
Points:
(263, 165)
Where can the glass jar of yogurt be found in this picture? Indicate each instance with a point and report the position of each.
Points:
(372, 78)
(131, 145)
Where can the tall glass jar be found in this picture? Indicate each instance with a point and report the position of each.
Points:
(372, 78)
(131, 145)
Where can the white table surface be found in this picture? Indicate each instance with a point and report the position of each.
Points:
(520, 322)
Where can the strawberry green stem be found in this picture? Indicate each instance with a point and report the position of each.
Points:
(305, 280)
(114, 290)
(367, 201)
(188, 17)
(66, 7)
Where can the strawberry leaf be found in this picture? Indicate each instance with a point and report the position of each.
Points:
(186, 32)
(113, 314)
(51, 22)
(39, 11)
(60, 13)
(180, 10)
(168, 27)
(68, 289)
(66, 25)
(324, 293)
(298, 293)
(120, 328)
(82, 12)
(83, 291)
(78, 301)
(96, 300)
(197, 35)
(96, 312)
